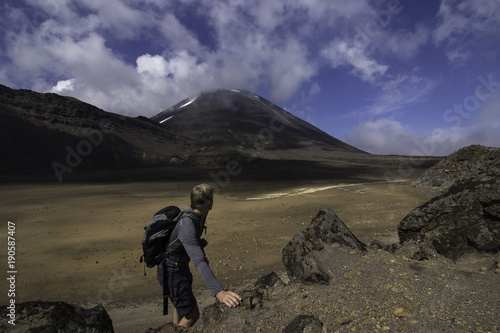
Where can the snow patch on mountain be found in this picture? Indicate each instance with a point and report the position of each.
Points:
(188, 102)
(164, 120)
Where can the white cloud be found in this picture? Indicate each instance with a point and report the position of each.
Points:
(467, 16)
(64, 86)
(387, 136)
(341, 54)
(463, 24)
(181, 75)
(180, 66)
(152, 65)
(334, 9)
(176, 37)
(267, 14)
(383, 136)
(91, 61)
(119, 17)
(290, 68)
(100, 74)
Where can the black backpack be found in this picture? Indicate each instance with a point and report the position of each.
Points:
(157, 233)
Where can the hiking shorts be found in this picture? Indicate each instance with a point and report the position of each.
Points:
(179, 288)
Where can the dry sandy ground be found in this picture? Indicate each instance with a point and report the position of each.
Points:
(81, 243)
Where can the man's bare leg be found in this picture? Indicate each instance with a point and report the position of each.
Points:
(176, 317)
(188, 320)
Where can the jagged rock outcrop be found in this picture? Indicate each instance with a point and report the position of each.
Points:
(57, 317)
(302, 256)
(462, 164)
(466, 216)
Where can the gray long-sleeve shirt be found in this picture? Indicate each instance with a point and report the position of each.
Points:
(184, 245)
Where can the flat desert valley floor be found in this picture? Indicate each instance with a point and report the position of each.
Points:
(81, 243)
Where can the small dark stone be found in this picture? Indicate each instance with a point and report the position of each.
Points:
(268, 280)
(304, 323)
(250, 299)
(378, 245)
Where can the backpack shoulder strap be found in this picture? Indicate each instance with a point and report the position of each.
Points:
(201, 227)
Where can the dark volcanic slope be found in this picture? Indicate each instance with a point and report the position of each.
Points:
(241, 121)
(49, 134)
(44, 134)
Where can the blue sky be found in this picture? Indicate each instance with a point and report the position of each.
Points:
(387, 76)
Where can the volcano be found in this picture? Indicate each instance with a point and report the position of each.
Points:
(239, 121)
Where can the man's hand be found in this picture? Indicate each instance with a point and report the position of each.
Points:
(229, 298)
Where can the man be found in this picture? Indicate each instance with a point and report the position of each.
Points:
(185, 244)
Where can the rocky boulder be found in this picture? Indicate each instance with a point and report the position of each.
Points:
(307, 257)
(464, 163)
(465, 217)
(57, 317)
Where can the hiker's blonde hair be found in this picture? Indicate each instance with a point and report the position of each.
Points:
(201, 195)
